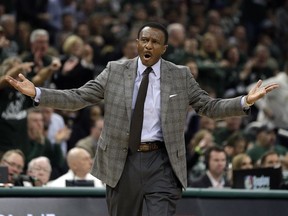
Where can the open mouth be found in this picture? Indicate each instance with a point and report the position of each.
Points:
(147, 56)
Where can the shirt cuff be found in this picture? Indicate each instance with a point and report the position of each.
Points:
(244, 103)
(37, 96)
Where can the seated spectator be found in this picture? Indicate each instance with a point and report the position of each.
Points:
(242, 161)
(14, 159)
(232, 125)
(235, 144)
(79, 162)
(265, 141)
(129, 49)
(40, 144)
(270, 159)
(202, 141)
(216, 164)
(40, 170)
(90, 143)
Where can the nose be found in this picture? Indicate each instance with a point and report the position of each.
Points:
(148, 45)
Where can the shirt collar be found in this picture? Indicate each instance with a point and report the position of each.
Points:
(215, 183)
(155, 67)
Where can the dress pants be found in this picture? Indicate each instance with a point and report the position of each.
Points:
(147, 176)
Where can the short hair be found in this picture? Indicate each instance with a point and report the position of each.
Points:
(34, 161)
(36, 33)
(208, 154)
(13, 151)
(157, 26)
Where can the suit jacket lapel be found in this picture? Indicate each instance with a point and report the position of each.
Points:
(165, 87)
(129, 75)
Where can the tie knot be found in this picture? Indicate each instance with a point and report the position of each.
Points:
(147, 70)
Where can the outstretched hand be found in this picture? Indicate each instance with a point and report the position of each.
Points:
(23, 85)
(259, 91)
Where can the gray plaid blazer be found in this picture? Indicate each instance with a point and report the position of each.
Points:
(115, 86)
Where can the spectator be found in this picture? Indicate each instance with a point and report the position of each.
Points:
(44, 65)
(129, 49)
(209, 58)
(232, 66)
(265, 141)
(39, 143)
(79, 162)
(202, 141)
(40, 170)
(242, 161)
(78, 67)
(260, 66)
(15, 160)
(216, 165)
(175, 51)
(231, 126)
(13, 115)
(235, 144)
(270, 159)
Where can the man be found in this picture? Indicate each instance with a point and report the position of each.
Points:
(265, 141)
(14, 159)
(89, 143)
(152, 168)
(39, 144)
(44, 65)
(216, 163)
(79, 162)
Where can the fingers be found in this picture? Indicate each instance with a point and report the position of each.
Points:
(22, 77)
(271, 87)
(259, 83)
(11, 80)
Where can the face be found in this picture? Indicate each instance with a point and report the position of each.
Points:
(246, 163)
(272, 161)
(41, 44)
(77, 48)
(47, 113)
(15, 164)
(83, 164)
(151, 45)
(233, 54)
(130, 50)
(266, 138)
(240, 146)
(96, 130)
(35, 121)
(217, 163)
(41, 171)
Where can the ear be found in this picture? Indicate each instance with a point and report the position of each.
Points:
(164, 49)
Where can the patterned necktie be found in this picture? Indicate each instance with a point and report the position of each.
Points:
(137, 116)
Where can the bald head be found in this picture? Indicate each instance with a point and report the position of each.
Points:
(79, 161)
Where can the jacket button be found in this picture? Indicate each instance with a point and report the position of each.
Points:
(125, 149)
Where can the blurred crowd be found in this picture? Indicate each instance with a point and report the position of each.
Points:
(227, 44)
